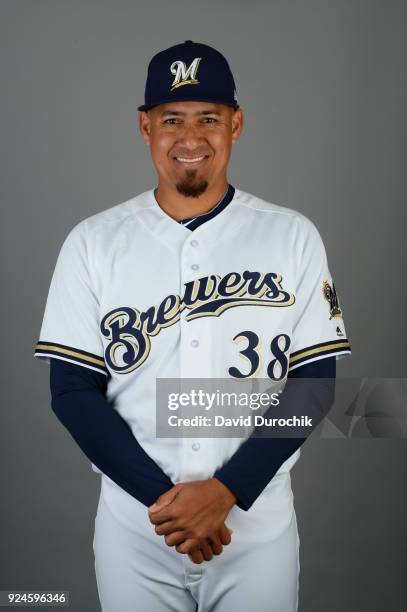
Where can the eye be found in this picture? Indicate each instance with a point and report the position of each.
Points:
(172, 119)
(210, 119)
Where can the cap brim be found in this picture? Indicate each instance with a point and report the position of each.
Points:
(146, 107)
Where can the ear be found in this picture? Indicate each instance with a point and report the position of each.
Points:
(145, 126)
(237, 124)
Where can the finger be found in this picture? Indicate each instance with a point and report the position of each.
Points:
(216, 544)
(194, 545)
(161, 516)
(196, 556)
(189, 545)
(225, 535)
(175, 538)
(206, 551)
(166, 528)
(164, 500)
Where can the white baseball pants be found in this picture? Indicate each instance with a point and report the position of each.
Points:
(137, 572)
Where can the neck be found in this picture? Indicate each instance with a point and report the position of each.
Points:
(180, 207)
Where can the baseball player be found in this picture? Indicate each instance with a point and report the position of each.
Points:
(193, 279)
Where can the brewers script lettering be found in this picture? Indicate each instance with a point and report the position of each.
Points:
(129, 330)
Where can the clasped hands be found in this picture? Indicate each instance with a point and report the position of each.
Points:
(191, 516)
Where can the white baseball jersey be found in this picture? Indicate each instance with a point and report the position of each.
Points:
(137, 295)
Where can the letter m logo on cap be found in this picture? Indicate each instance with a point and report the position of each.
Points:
(184, 75)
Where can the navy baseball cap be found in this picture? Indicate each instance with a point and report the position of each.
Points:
(189, 71)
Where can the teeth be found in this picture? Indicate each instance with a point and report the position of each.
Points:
(190, 161)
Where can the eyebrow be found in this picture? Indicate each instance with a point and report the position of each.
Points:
(180, 113)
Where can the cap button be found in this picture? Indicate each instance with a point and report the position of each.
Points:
(188, 41)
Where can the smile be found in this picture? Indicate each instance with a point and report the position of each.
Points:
(192, 160)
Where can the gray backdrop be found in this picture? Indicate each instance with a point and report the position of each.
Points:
(323, 86)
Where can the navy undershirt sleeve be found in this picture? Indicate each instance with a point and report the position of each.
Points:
(79, 401)
(258, 459)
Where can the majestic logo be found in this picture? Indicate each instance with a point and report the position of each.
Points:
(129, 330)
(184, 75)
(331, 297)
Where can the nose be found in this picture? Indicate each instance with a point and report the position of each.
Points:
(190, 136)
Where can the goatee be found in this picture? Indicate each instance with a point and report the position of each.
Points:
(189, 188)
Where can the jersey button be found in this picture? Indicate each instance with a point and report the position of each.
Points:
(194, 267)
(196, 446)
(194, 243)
(194, 343)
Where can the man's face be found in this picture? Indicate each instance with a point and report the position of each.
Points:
(191, 142)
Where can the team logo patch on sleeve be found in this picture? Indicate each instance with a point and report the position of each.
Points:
(329, 293)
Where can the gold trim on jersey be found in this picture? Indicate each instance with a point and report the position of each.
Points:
(327, 348)
(58, 349)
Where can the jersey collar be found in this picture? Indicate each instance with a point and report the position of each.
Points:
(175, 234)
(193, 222)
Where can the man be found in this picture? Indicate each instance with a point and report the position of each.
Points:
(194, 279)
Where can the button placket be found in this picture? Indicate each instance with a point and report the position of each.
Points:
(190, 346)
(190, 343)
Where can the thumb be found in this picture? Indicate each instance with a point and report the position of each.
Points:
(164, 500)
